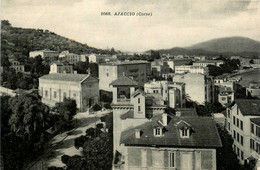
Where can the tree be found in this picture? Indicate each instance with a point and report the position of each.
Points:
(98, 153)
(67, 108)
(214, 70)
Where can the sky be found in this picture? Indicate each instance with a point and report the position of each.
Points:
(174, 23)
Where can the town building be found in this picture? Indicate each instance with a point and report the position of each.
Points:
(82, 87)
(69, 57)
(171, 94)
(17, 66)
(47, 55)
(191, 69)
(61, 67)
(198, 87)
(108, 72)
(98, 58)
(242, 122)
(178, 62)
(200, 58)
(253, 90)
(226, 96)
(145, 137)
(159, 67)
(208, 62)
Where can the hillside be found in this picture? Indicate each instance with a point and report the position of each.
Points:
(229, 44)
(20, 41)
(184, 51)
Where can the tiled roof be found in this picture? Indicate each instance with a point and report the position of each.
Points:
(204, 133)
(255, 121)
(248, 107)
(124, 81)
(65, 77)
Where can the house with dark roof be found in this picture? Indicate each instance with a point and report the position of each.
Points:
(61, 67)
(82, 87)
(242, 122)
(145, 137)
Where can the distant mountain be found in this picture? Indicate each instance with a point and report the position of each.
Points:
(20, 41)
(229, 44)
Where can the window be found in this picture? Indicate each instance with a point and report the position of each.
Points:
(228, 113)
(238, 136)
(241, 125)
(242, 155)
(75, 95)
(55, 95)
(64, 94)
(228, 126)
(252, 144)
(185, 132)
(138, 100)
(139, 108)
(234, 134)
(234, 120)
(107, 74)
(252, 128)
(165, 91)
(242, 140)
(238, 152)
(46, 93)
(158, 132)
(257, 131)
(172, 159)
(237, 122)
(235, 148)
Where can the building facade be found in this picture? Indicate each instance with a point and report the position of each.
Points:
(144, 137)
(61, 67)
(253, 90)
(178, 62)
(208, 62)
(69, 57)
(82, 87)
(198, 87)
(17, 66)
(242, 122)
(47, 55)
(108, 72)
(191, 69)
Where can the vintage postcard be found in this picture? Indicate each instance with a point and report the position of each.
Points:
(130, 85)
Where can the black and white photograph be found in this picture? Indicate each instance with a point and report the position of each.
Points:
(130, 85)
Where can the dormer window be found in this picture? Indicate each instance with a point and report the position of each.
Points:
(184, 129)
(158, 131)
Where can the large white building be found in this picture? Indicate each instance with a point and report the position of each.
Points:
(243, 123)
(198, 87)
(81, 87)
(172, 94)
(47, 55)
(208, 62)
(108, 72)
(191, 69)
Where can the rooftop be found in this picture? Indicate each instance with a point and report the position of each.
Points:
(61, 63)
(249, 107)
(123, 80)
(204, 133)
(65, 77)
(184, 112)
(209, 61)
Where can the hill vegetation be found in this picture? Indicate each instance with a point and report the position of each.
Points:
(20, 41)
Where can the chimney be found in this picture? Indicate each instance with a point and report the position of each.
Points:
(164, 119)
(137, 133)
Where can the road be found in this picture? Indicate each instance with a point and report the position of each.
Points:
(64, 143)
